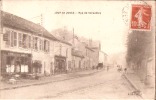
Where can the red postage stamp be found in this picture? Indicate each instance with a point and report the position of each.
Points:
(141, 17)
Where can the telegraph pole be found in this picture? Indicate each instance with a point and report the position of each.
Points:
(73, 38)
(41, 20)
(73, 50)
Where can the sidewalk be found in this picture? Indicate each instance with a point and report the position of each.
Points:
(148, 93)
(46, 80)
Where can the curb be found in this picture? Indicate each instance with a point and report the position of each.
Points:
(42, 83)
(33, 84)
(133, 85)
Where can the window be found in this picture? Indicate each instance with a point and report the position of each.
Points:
(24, 41)
(20, 39)
(29, 42)
(40, 43)
(36, 43)
(33, 42)
(8, 41)
(12, 39)
(46, 46)
(15, 38)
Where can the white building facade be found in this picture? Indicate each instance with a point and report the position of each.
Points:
(62, 56)
(25, 47)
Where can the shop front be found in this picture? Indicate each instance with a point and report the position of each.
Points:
(60, 64)
(15, 63)
(36, 66)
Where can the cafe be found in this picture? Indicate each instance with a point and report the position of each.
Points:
(15, 63)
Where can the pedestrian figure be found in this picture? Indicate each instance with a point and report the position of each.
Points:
(120, 68)
(125, 70)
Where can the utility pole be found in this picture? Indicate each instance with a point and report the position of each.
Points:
(73, 38)
(38, 19)
(73, 50)
(41, 20)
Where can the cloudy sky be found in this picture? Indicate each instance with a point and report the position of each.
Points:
(108, 27)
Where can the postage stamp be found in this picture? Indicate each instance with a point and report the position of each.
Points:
(141, 17)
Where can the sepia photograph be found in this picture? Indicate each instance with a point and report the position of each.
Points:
(77, 49)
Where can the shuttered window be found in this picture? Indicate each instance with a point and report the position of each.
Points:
(15, 38)
(20, 36)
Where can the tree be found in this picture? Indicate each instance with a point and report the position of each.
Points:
(63, 34)
(139, 46)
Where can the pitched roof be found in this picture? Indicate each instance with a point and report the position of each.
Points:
(89, 48)
(16, 22)
(65, 42)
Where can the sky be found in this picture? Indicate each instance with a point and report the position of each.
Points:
(108, 26)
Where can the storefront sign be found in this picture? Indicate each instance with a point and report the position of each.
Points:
(16, 54)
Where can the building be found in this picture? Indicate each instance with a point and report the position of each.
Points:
(95, 56)
(85, 52)
(103, 58)
(96, 47)
(62, 56)
(89, 58)
(26, 47)
(78, 54)
(78, 59)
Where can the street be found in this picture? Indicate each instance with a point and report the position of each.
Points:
(77, 49)
(99, 85)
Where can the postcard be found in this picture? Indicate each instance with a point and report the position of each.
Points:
(81, 49)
